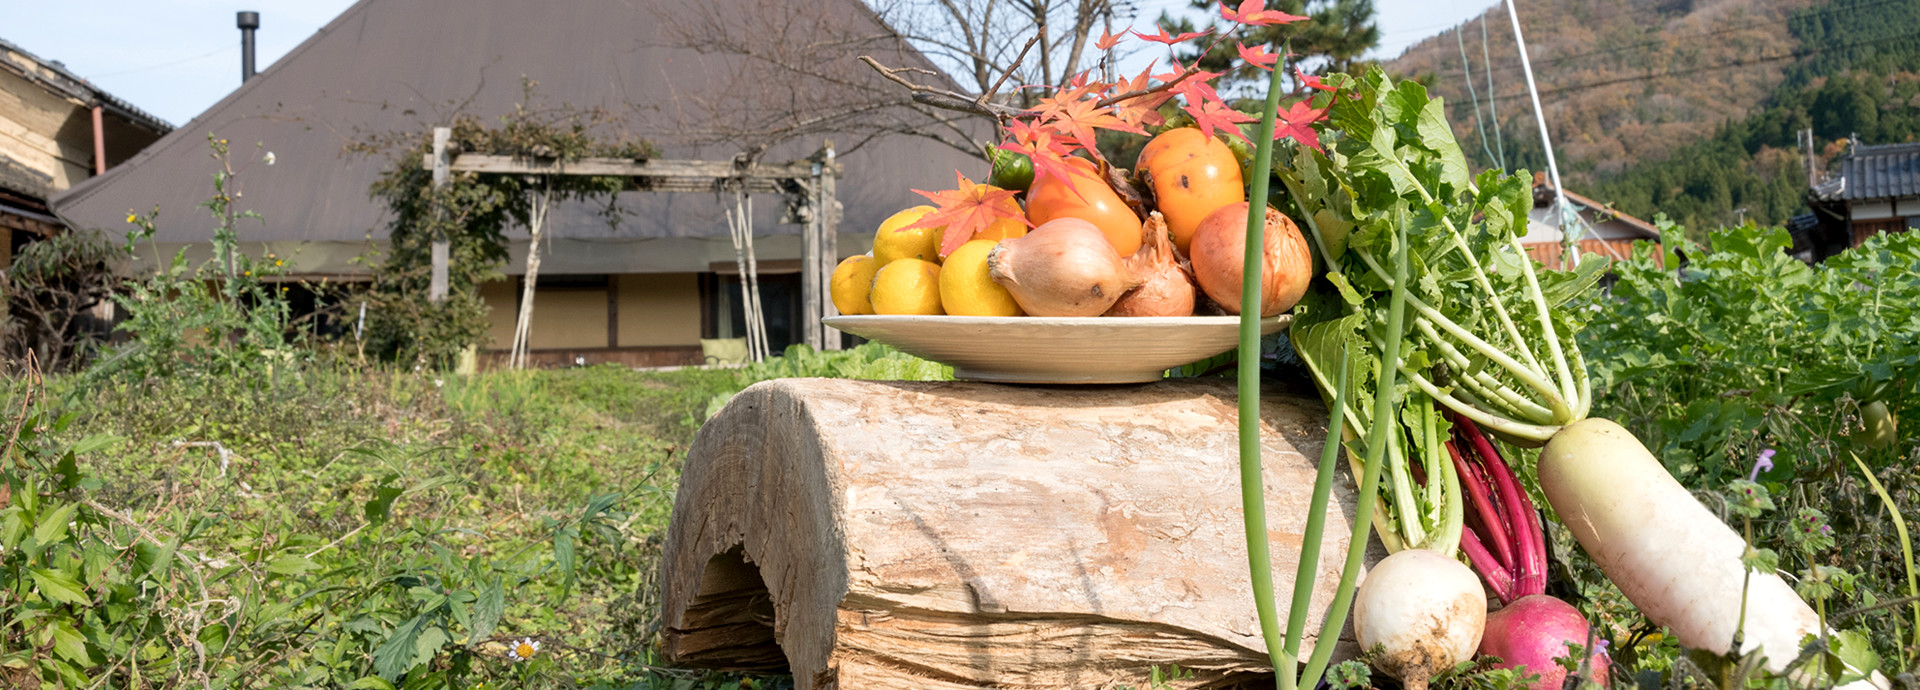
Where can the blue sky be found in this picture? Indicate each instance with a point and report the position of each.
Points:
(173, 58)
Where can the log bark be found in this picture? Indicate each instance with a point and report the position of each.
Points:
(865, 534)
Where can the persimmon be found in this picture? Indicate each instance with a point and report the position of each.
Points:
(1192, 174)
(1088, 199)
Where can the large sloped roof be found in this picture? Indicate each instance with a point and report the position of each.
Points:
(1880, 172)
(387, 66)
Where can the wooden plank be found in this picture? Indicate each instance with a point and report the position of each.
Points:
(621, 167)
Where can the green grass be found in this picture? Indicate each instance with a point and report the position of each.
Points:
(491, 472)
(322, 523)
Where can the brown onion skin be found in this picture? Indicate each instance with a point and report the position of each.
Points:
(1065, 267)
(1166, 287)
(1218, 260)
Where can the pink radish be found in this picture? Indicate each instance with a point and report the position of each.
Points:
(1534, 632)
(1674, 559)
(1532, 629)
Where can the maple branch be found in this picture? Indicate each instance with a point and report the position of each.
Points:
(1165, 85)
(1008, 73)
(936, 97)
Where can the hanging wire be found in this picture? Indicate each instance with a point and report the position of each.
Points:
(1493, 110)
(1466, 72)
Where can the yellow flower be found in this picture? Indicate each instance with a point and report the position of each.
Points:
(131, 216)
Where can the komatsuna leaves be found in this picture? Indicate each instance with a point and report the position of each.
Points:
(1557, 287)
(1436, 136)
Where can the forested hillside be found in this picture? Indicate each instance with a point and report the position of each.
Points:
(1687, 108)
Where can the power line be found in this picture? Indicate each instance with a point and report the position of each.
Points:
(163, 65)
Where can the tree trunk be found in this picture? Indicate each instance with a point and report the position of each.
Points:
(863, 534)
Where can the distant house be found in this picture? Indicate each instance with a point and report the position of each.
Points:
(1876, 190)
(644, 291)
(56, 130)
(1602, 230)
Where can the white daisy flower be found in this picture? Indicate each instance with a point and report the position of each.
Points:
(523, 649)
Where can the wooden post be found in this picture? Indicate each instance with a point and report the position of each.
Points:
(437, 285)
(812, 288)
(829, 214)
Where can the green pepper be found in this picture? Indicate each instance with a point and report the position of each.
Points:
(1010, 170)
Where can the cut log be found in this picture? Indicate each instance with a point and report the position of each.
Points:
(864, 534)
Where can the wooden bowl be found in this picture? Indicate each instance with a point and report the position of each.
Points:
(1031, 349)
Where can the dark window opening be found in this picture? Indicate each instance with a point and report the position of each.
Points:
(723, 316)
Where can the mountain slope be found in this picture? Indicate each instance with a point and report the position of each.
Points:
(1688, 108)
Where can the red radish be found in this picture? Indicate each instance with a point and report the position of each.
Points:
(1507, 547)
(1672, 557)
(1534, 632)
(1417, 614)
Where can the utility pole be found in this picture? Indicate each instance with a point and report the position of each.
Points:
(1569, 248)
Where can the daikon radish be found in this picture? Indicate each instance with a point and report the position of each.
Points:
(1672, 557)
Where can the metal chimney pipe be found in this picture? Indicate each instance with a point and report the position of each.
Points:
(248, 22)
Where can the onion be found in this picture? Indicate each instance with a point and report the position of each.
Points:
(1417, 614)
(1065, 267)
(1218, 260)
(1166, 287)
(1533, 631)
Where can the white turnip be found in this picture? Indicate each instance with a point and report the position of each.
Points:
(1419, 613)
(1674, 559)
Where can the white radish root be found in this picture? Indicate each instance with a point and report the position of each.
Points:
(1670, 555)
(1419, 613)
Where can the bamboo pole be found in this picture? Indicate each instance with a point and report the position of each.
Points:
(537, 219)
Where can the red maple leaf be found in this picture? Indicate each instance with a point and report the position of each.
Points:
(1039, 144)
(1212, 114)
(1297, 124)
(966, 210)
(1142, 110)
(1311, 81)
(1197, 88)
(1071, 114)
(1255, 12)
(1107, 40)
(1164, 37)
(1258, 57)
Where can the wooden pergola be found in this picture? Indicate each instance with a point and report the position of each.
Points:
(807, 185)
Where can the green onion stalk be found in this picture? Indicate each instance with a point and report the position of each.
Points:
(1252, 489)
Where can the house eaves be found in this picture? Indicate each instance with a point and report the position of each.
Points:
(58, 79)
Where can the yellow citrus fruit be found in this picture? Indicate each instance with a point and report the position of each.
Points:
(907, 286)
(895, 242)
(965, 288)
(1002, 228)
(852, 282)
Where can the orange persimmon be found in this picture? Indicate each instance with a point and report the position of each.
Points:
(1192, 175)
(1089, 199)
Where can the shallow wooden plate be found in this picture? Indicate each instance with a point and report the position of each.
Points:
(1032, 349)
